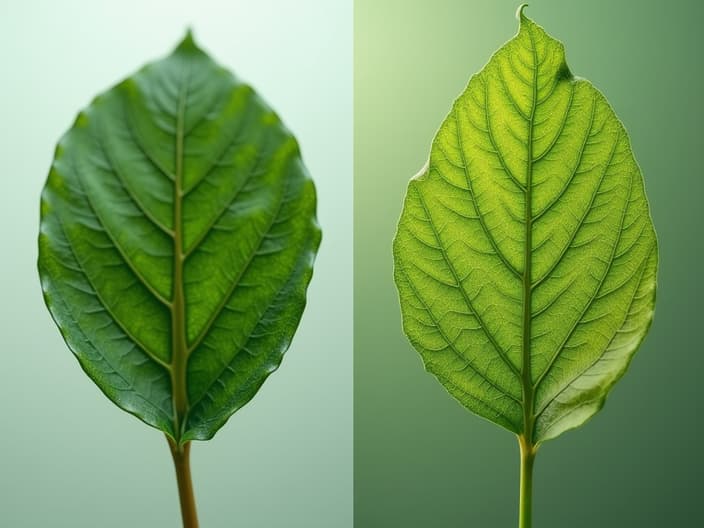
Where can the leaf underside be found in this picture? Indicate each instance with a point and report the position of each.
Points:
(525, 256)
(177, 241)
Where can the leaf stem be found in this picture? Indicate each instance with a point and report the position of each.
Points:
(525, 509)
(182, 463)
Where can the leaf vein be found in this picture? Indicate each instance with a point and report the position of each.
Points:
(468, 362)
(102, 301)
(611, 261)
(581, 221)
(490, 133)
(463, 292)
(140, 146)
(208, 228)
(470, 188)
(575, 170)
(233, 286)
(129, 190)
(121, 251)
(561, 127)
(601, 357)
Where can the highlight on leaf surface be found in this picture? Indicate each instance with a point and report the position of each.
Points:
(525, 256)
(177, 240)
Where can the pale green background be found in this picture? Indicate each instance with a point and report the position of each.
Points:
(69, 457)
(421, 460)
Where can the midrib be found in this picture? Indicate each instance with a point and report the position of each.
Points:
(527, 383)
(179, 347)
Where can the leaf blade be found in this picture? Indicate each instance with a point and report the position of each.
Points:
(155, 217)
(528, 186)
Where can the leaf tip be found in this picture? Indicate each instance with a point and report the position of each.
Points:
(187, 43)
(519, 12)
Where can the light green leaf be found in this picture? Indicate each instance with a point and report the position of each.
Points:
(525, 256)
(177, 240)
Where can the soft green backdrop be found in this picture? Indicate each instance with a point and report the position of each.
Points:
(422, 460)
(69, 457)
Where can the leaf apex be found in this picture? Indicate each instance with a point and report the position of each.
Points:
(519, 12)
(188, 43)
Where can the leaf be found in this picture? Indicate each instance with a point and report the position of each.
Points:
(525, 256)
(177, 240)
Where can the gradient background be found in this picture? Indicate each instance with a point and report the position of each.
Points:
(68, 456)
(421, 459)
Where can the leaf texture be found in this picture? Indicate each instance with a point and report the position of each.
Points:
(177, 240)
(525, 257)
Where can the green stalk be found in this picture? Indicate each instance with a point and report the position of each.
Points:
(182, 464)
(525, 509)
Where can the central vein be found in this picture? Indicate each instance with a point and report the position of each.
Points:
(179, 350)
(527, 266)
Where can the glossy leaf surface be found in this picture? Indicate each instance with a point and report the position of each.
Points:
(525, 256)
(177, 241)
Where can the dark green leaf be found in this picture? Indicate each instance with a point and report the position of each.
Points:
(177, 240)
